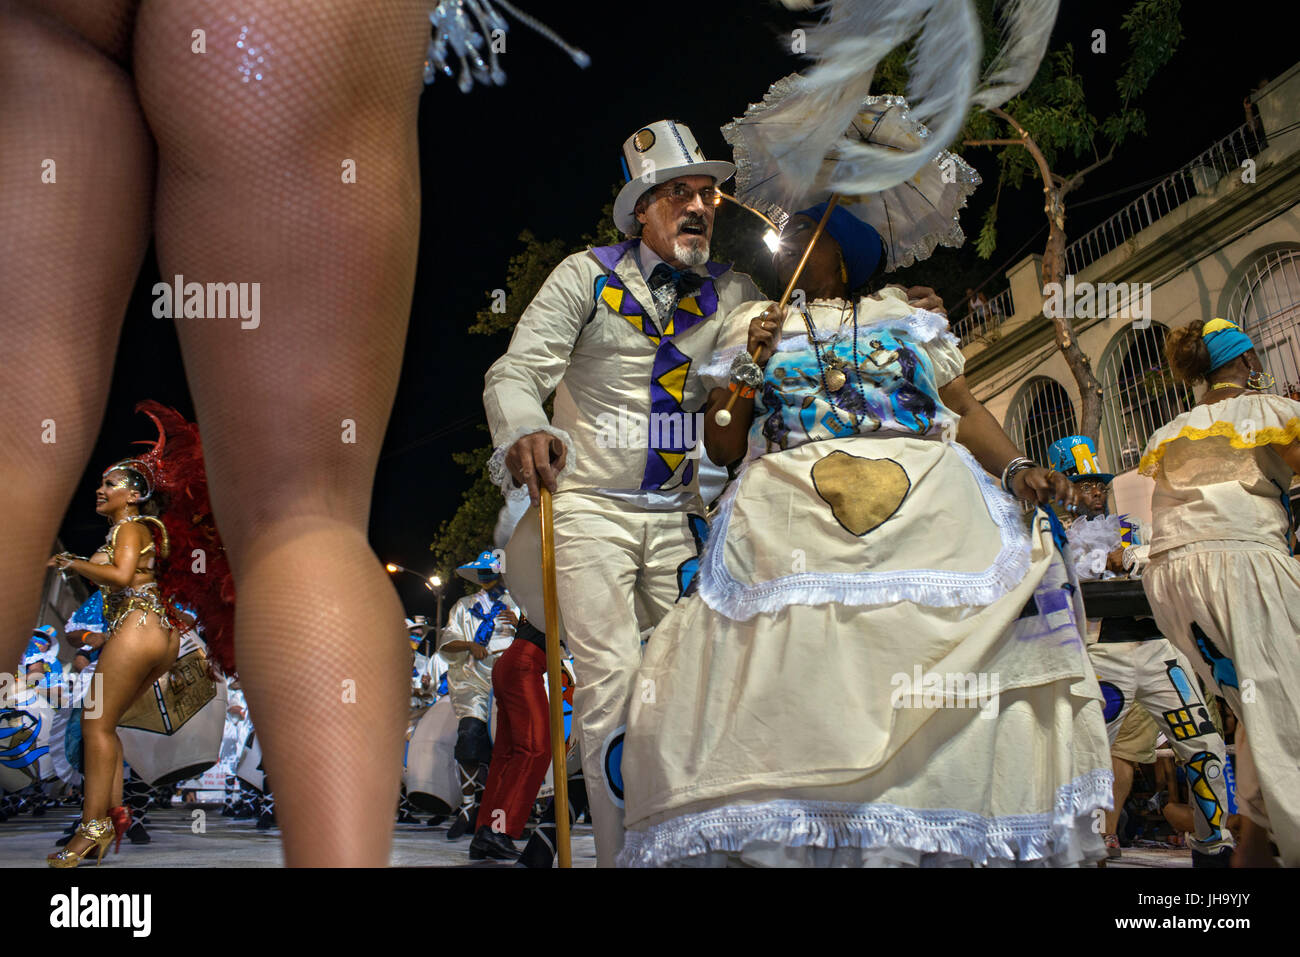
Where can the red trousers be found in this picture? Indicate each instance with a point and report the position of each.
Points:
(521, 752)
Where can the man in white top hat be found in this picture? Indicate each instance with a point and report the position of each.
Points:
(618, 333)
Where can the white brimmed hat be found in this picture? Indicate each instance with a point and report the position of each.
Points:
(656, 154)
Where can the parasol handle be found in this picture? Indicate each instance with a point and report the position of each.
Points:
(723, 415)
(559, 759)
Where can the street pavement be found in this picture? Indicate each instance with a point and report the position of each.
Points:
(224, 842)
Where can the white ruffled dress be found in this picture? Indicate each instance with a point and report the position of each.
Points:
(884, 663)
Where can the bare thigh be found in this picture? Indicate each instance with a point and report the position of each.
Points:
(76, 187)
(134, 657)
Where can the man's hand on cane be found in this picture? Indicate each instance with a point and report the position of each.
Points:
(535, 461)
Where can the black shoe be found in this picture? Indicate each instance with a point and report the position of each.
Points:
(464, 824)
(136, 834)
(266, 821)
(1221, 859)
(405, 817)
(540, 849)
(436, 820)
(488, 843)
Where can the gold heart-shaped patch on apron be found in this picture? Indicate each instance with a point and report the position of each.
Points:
(862, 493)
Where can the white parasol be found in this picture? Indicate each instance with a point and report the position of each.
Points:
(912, 217)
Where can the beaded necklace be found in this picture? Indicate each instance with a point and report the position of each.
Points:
(837, 374)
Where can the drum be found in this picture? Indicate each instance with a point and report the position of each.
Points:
(173, 731)
(430, 776)
(59, 762)
(25, 742)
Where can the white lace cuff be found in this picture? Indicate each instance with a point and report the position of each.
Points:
(500, 475)
(1136, 558)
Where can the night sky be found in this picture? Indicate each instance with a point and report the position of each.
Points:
(542, 153)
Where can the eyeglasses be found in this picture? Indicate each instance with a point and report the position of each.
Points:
(681, 193)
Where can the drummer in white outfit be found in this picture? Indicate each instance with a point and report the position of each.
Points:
(1136, 664)
(479, 627)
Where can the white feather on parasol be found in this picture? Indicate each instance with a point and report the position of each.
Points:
(912, 217)
(797, 134)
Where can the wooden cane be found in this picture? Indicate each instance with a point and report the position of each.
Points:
(559, 759)
(723, 415)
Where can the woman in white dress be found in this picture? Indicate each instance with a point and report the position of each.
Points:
(1223, 584)
(883, 664)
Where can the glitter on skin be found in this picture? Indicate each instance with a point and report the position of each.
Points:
(252, 64)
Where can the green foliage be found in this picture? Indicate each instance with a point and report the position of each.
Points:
(988, 238)
(1154, 34)
(1054, 109)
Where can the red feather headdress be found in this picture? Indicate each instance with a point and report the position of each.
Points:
(174, 466)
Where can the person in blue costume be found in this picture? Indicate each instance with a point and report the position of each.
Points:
(1136, 664)
(479, 627)
(41, 662)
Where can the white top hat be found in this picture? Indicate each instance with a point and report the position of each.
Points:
(656, 154)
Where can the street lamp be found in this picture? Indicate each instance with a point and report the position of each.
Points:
(433, 583)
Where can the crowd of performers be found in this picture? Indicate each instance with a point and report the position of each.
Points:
(752, 674)
(879, 525)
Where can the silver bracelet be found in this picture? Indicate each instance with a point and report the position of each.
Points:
(746, 371)
(1018, 464)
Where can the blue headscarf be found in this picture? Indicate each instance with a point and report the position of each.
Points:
(1225, 340)
(859, 242)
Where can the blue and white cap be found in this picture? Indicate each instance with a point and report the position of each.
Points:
(487, 561)
(1075, 457)
(89, 617)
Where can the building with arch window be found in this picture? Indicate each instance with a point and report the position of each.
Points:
(1219, 237)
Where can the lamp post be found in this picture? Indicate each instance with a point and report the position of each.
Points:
(433, 583)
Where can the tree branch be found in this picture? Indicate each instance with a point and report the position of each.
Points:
(1030, 145)
(1076, 179)
(993, 143)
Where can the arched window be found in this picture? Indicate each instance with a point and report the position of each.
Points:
(1139, 395)
(1266, 304)
(1040, 415)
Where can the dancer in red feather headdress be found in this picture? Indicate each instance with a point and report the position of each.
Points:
(140, 589)
(199, 575)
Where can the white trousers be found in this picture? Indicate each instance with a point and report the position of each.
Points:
(1234, 609)
(617, 574)
(1157, 676)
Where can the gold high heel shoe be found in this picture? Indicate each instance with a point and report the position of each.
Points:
(99, 832)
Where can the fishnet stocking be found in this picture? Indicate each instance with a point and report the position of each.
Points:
(69, 253)
(249, 190)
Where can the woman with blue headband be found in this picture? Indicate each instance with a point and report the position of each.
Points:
(883, 664)
(1223, 582)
